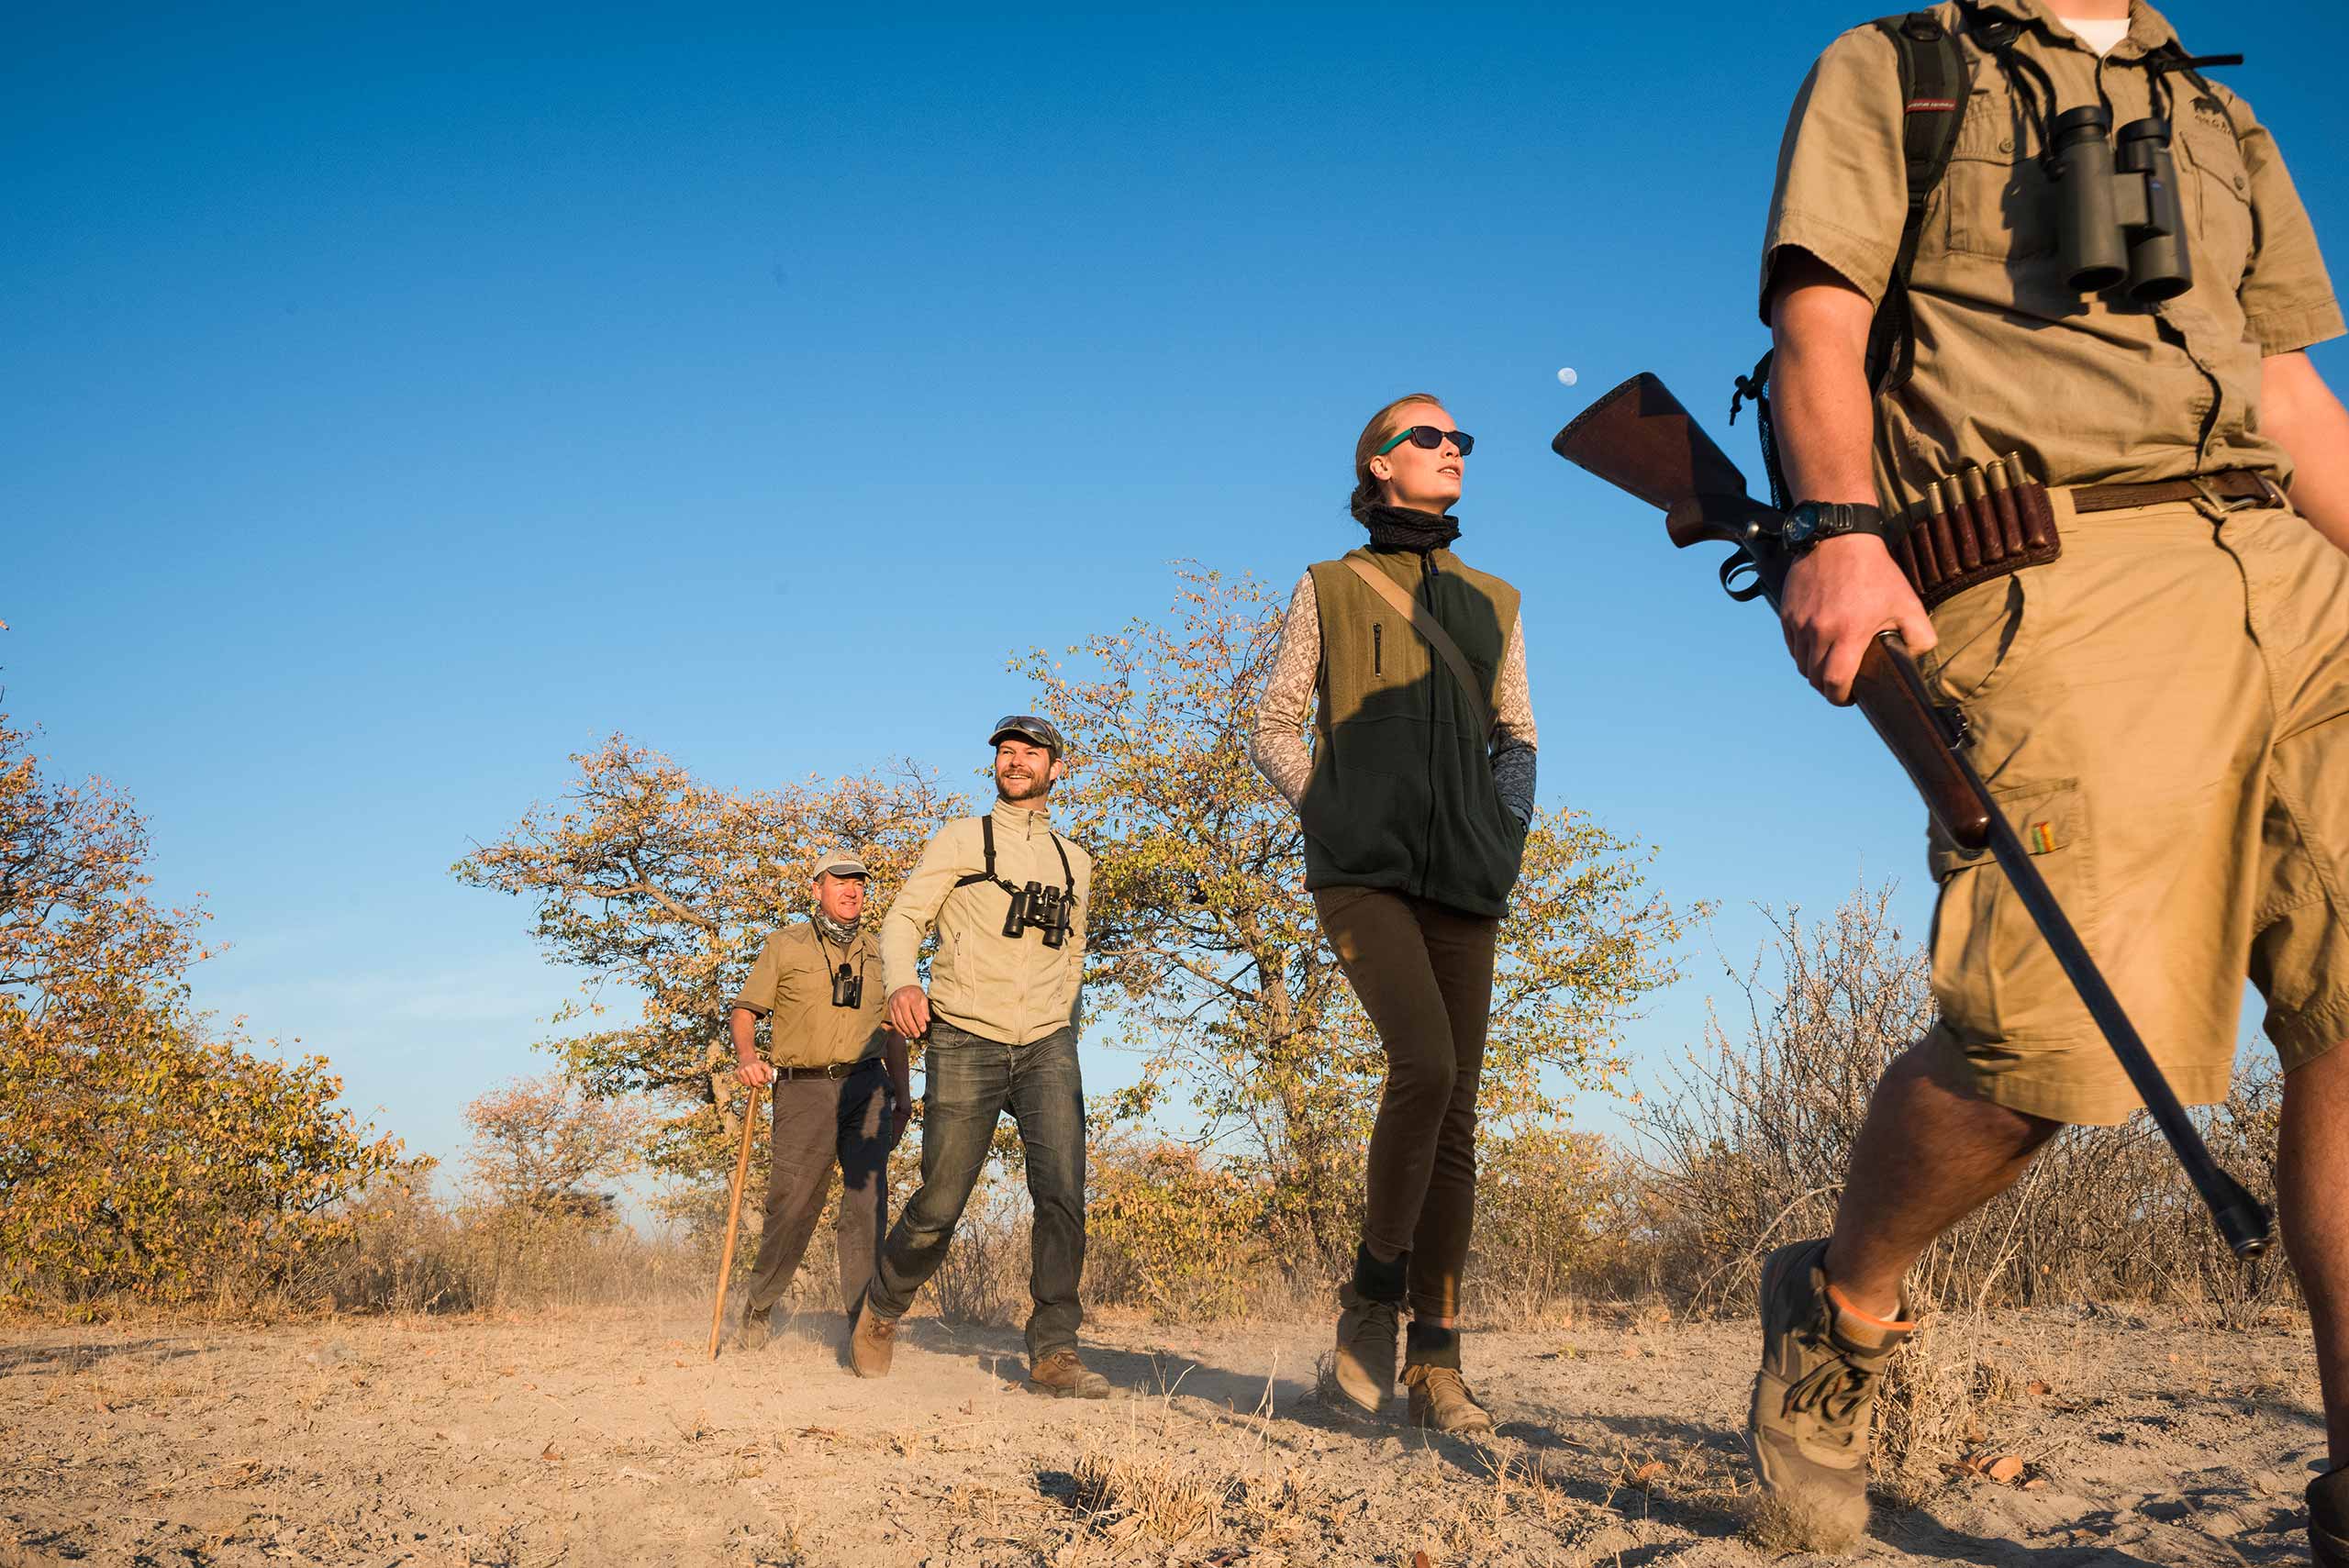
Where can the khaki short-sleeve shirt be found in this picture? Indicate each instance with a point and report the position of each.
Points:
(2009, 358)
(791, 986)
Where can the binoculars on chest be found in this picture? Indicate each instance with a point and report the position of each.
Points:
(2117, 211)
(1045, 909)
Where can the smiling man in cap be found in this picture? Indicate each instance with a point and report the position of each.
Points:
(842, 1091)
(1006, 897)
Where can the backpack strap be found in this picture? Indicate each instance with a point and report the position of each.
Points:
(1935, 81)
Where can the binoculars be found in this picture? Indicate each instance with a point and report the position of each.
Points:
(848, 988)
(1046, 908)
(2117, 212)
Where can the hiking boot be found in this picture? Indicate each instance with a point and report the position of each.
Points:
(1439, 1398)
(1363, 1366)
(1063, 1376)
(756, 1329)
(2328, 1518)
(1813, 1400)
(871, 1343)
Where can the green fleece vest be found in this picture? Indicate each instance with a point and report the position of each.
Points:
(1402, 793)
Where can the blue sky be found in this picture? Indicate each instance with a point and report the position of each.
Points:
(403, 399)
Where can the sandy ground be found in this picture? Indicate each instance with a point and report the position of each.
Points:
(608, 1438)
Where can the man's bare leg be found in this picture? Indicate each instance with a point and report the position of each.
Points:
(1928, 1155)
(2312, 1173)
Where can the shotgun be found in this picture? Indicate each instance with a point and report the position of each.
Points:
(1639, 438)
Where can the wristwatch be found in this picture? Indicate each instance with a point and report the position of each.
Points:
(1812, 523)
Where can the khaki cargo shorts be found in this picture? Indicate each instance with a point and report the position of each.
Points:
(2163, 713)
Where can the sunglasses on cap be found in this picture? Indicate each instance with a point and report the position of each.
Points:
(1431, 437)
(1028, 727)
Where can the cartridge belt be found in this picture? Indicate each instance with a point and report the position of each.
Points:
(1982, 523)
(837, 1070)
(2227, 484)
(1977, 525)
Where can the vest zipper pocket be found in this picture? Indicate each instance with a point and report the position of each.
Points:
(1377, 648)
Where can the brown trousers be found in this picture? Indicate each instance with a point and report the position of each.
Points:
(818, 1123)
(1424, 973)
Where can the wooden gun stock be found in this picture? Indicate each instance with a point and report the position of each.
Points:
(1639, 438)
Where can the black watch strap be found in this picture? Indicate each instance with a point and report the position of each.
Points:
(1813, 523)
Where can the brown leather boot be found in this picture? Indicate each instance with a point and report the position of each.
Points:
(1440, 1398)
(756, 1330)
(871, 1342)
(1062, 1375)
(1362, 1367)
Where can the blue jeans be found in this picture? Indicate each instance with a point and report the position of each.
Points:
(971, 1082)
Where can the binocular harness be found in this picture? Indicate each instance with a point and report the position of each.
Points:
(1049, 910)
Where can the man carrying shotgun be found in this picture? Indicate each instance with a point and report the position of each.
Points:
(2041, 292)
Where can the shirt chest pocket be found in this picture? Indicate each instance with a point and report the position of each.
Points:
(2216, 190)
(1995, 200)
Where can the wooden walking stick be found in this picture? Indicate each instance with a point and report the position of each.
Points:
(733, 1219)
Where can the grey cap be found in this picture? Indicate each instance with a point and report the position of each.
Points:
(1028, 727)
(840, 862)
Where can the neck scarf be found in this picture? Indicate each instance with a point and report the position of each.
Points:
(1401, 527)
(834, 931)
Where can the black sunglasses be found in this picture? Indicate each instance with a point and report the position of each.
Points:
(1431, 437)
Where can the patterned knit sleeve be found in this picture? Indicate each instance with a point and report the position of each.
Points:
(1513, 738)
(1278, 746)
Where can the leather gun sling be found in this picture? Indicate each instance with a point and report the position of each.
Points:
(1432, 632)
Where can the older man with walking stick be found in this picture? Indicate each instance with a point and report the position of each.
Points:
(840, 1088)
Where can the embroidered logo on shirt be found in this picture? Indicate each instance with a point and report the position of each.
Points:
(2041, 839)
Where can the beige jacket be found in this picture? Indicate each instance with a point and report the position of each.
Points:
(1014, 990)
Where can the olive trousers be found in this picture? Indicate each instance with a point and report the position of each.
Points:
(1424, 973)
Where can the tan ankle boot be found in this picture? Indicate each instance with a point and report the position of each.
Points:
(871, 1342)
(1363, 1367)
(1440, 1400)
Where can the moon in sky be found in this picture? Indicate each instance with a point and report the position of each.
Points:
(1567, 377)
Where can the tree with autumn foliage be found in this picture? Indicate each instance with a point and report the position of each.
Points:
(140, 1150)
(662, 886)
(539, 1143)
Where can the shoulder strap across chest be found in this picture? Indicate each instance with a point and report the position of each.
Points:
(986, 847)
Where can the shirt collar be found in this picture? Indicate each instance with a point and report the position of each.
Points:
(1026, 820)
(2148, 29)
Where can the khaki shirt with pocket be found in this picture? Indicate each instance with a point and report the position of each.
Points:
(2009, 358)
(791, 986)
(1014, 990)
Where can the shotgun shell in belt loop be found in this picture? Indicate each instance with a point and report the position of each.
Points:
(1929, 561)
(1946, 554)
(2003, 506)
(1981, 526)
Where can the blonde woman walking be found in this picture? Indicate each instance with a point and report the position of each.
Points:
(1415, 790)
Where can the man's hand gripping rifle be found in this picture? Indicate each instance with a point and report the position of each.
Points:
(1639, 438)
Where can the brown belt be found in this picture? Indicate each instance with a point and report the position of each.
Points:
(2227, 485)
(837, 1070)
